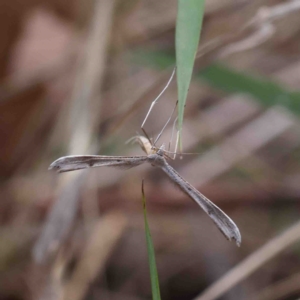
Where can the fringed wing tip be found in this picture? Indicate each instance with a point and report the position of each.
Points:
(237, 238)
(229, 230)
(235, 235)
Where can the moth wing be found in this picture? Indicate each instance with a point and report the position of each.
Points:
(77, 162)
(223, 222)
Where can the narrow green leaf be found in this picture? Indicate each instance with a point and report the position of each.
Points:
(188, 28)
(151, 253)
(266, 92)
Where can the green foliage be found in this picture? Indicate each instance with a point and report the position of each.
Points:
(267, 92)
(188, 29)
(151, 254)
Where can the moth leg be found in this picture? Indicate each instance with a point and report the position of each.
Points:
(155, 101)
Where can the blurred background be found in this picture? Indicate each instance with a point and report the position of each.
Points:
(77, 77)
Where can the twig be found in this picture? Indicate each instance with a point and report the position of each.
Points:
(279, 290)
(252, 263)
(240, 145)
(259, 29)
(103, 239)
(81, 122)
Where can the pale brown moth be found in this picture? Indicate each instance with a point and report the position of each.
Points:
(157, 157)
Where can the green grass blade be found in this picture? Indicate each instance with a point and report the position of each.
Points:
(266, 92)
(188, 28)
(151, 253)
